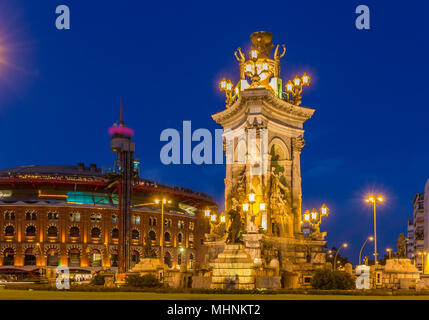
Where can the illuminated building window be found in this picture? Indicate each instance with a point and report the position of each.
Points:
(30, 257)
(74, 258)
(53, 215)
(191, 225)
(152, 235)
(115, 219)
(52, 231)
(74, 217)
(52, 258)
(9, 231)
(167, 237)
(96, 233)
(95, 258)
(135, 235)
(74, 232)
(191, 238)
(9, 215)
(8, 257)
(30, 231)
(181, 224)
(136, 220)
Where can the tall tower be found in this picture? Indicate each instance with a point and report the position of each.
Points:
(121, 143)
(263, 139)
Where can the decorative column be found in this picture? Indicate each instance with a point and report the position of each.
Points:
(297, 144)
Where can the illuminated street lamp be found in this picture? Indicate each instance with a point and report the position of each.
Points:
(294, 87)
(163, 202)
(230, 92)
(207, 213)
(314, 218)
(374, 199)
(389, 250)
(249, 205)
(371, 238)
(344, 245)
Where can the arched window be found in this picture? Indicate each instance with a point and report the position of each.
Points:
(52, 258)
(30, 231)
(96, 233)
(179, 259)
(154, 222)
(191, 238)
(152, 235)
(52, 231)
(33, 216)
(95, 258)
(115, 233)
(74, 232)
(179, 238)
(8, 257)
(9, 231)
(167, 237)
(115, 218)
(74, 258)
(135, 235)
(30, 257)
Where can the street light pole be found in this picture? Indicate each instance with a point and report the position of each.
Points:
(375, 233)
(361, 249)
(336, 254)
(373, 200)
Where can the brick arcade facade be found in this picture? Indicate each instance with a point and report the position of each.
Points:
(53, 229)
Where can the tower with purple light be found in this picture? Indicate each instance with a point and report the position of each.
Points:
(122, 144)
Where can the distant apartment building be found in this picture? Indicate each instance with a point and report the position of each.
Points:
(410, 238)
(418, 229)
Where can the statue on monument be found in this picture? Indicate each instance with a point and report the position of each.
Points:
(242, 60)
(148, 251)
(235, 227)
(277, 58)
(401, 246)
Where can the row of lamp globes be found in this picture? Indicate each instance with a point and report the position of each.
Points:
(213, 216)
(292, 87)
(314, 218)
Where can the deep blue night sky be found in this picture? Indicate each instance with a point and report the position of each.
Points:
(60, 91)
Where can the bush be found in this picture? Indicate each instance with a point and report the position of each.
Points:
(145, 281)
(98, 280)
(332, 280)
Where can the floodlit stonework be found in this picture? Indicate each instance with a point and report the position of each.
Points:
(263, 141)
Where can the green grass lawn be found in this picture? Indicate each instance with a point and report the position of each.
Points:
(64, 295)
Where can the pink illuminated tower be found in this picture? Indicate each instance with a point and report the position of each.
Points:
(121, 143)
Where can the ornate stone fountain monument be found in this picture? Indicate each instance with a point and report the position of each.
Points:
(263, 138)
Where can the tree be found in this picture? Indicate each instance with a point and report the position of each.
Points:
(325, 279)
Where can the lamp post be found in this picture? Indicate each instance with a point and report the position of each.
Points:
(389, 250)
(372, 199)
(161, 238)
(344, 245)
(361, 249)
(314, 218)
(226, 85)
(294, 87)
(250, 204)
